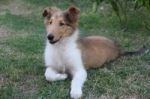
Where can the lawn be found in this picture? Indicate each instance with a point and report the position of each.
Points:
(22, 42)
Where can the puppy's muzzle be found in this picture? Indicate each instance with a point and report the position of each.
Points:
(51, 37)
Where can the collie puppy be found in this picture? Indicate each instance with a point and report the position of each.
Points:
(66, 53)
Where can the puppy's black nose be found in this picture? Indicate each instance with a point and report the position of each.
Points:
(50, 37)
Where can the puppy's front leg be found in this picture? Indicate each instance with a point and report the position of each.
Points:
(79, 77)
(52, 75)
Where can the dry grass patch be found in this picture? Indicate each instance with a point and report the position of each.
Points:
(15, 7)
(4, 32)
(26, 87)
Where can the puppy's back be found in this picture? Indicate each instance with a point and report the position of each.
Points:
(96, 50)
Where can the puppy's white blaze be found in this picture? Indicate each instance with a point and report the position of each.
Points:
(52, 17)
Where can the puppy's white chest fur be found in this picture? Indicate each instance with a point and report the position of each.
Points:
(62, 56)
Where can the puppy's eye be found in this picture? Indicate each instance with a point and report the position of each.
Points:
(50, 22)
(61, 24)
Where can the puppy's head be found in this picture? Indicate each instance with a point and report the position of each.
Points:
(60, 24)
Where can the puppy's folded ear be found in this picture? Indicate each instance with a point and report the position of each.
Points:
(49, 11)
(45, 12)
(72, 14)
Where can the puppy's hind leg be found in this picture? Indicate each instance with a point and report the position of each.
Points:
(52, 75)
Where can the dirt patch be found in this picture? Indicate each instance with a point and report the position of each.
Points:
(15, 7)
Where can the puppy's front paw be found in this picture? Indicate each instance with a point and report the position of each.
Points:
(63, 76)
(76, 93)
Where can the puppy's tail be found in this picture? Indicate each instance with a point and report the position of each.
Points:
(140, 51)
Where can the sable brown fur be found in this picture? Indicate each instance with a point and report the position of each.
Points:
(97, 50)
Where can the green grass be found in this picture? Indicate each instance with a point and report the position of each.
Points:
(21, 55)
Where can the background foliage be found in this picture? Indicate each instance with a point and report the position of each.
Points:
(122, 7)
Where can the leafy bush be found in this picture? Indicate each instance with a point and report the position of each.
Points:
(120, 7)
